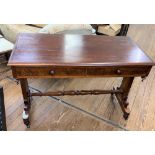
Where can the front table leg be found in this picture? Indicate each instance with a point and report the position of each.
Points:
(27, 102)
(122, 98)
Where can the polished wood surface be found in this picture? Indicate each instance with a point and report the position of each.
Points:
(50, 56)
(76, 50)
(47, 114)
(78, 72)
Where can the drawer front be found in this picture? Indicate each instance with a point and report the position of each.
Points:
(119, 71)
(59, 72)
(49, 72)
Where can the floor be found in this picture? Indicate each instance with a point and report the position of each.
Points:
(85, 112)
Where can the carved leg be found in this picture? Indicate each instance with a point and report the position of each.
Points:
(27, 102)
(122, 97)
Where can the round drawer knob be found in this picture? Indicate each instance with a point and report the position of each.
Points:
(52, 72)
(118, 71)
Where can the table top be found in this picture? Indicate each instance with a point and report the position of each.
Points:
(76, 50)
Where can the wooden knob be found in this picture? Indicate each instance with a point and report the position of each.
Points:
(52, 72)
(118, 71)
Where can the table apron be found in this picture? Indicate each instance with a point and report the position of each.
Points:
(78, 72)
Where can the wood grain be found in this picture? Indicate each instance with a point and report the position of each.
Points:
(79, 72)
(49, 115)
(76, 50)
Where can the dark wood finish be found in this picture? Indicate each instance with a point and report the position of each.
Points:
(2, 111)
(76, 50)
(71, 72)
(73, 56)
(78, 92)
(122, 98)
(27, 102)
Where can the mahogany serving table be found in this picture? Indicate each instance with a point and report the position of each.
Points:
(77, 56)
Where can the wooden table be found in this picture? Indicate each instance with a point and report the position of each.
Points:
(77, 56)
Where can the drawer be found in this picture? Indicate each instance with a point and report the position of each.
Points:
(48, 72)
(62, 72)
(118, 71)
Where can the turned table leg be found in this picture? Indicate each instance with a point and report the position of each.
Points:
(122, 97)
(27, 102)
